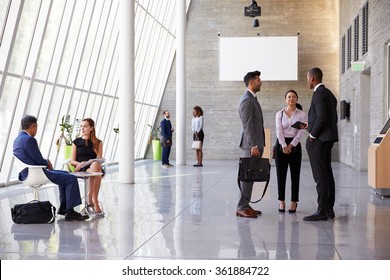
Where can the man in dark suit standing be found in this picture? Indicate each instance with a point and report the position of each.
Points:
(322, 128)
(252, 137)
(26, 149)
(166, 138)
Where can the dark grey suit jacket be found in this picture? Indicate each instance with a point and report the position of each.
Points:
(252, 127)
(322, 116)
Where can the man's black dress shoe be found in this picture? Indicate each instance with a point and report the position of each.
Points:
(74, 216)
(317, 216)
(61, 211)
(331, 214)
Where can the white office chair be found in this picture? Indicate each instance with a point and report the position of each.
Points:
(35, 178)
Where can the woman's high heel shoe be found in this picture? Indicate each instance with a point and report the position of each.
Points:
(100, 213)
(281, 207)
(293, 210)
(90, 208)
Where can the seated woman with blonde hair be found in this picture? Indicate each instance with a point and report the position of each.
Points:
(84, 148)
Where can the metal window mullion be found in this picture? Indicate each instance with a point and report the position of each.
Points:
(93, 44)
(43, 125)
(46, 82)
(164, 48)
(112, 67)
(145, 52)
(55, 84)
(71, 63)
(81, 54)
(5, 21)
(99, 50)
(140, 27)
(115, 147)
(73, 56)
(6, 169)
(149, 67)
(110, 121)
(113, 49)
(11, 45)
(107, 78)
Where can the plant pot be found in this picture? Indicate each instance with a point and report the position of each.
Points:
(157, 150)
(67, 155)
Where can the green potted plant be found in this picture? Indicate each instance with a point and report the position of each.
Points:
(66, 130)
(154, 138)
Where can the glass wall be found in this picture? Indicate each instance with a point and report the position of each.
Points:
(59, 58)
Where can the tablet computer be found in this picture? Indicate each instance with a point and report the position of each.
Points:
(298, 125)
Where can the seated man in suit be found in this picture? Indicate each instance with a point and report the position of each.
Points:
(26, 149)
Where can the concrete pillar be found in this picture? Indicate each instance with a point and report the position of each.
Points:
(126, 92)
(180, 82)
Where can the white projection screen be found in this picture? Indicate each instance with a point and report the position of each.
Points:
(275, 57)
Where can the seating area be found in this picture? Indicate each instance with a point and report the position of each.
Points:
(189, 213)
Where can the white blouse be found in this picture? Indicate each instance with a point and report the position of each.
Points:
(197, 124)
(284, 129)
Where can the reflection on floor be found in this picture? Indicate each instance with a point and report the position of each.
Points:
(185, 212)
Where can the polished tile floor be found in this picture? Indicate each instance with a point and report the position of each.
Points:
(185, 212)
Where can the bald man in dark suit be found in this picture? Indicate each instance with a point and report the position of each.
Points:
(252, 137)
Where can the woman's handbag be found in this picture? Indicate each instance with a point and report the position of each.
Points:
(34, 212)
(254, 169)
(196, 145)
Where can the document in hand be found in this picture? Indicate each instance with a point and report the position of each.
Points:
(89, 162)
(298, 124)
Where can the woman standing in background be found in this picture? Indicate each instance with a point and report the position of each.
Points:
(197, 131)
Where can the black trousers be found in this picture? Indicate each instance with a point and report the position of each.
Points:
(320, 156)
(282, 162)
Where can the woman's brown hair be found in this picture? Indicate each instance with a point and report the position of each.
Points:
(198, 110)
(94, 140)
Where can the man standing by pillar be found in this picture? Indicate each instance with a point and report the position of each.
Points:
(322, 128)
(166, 138)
